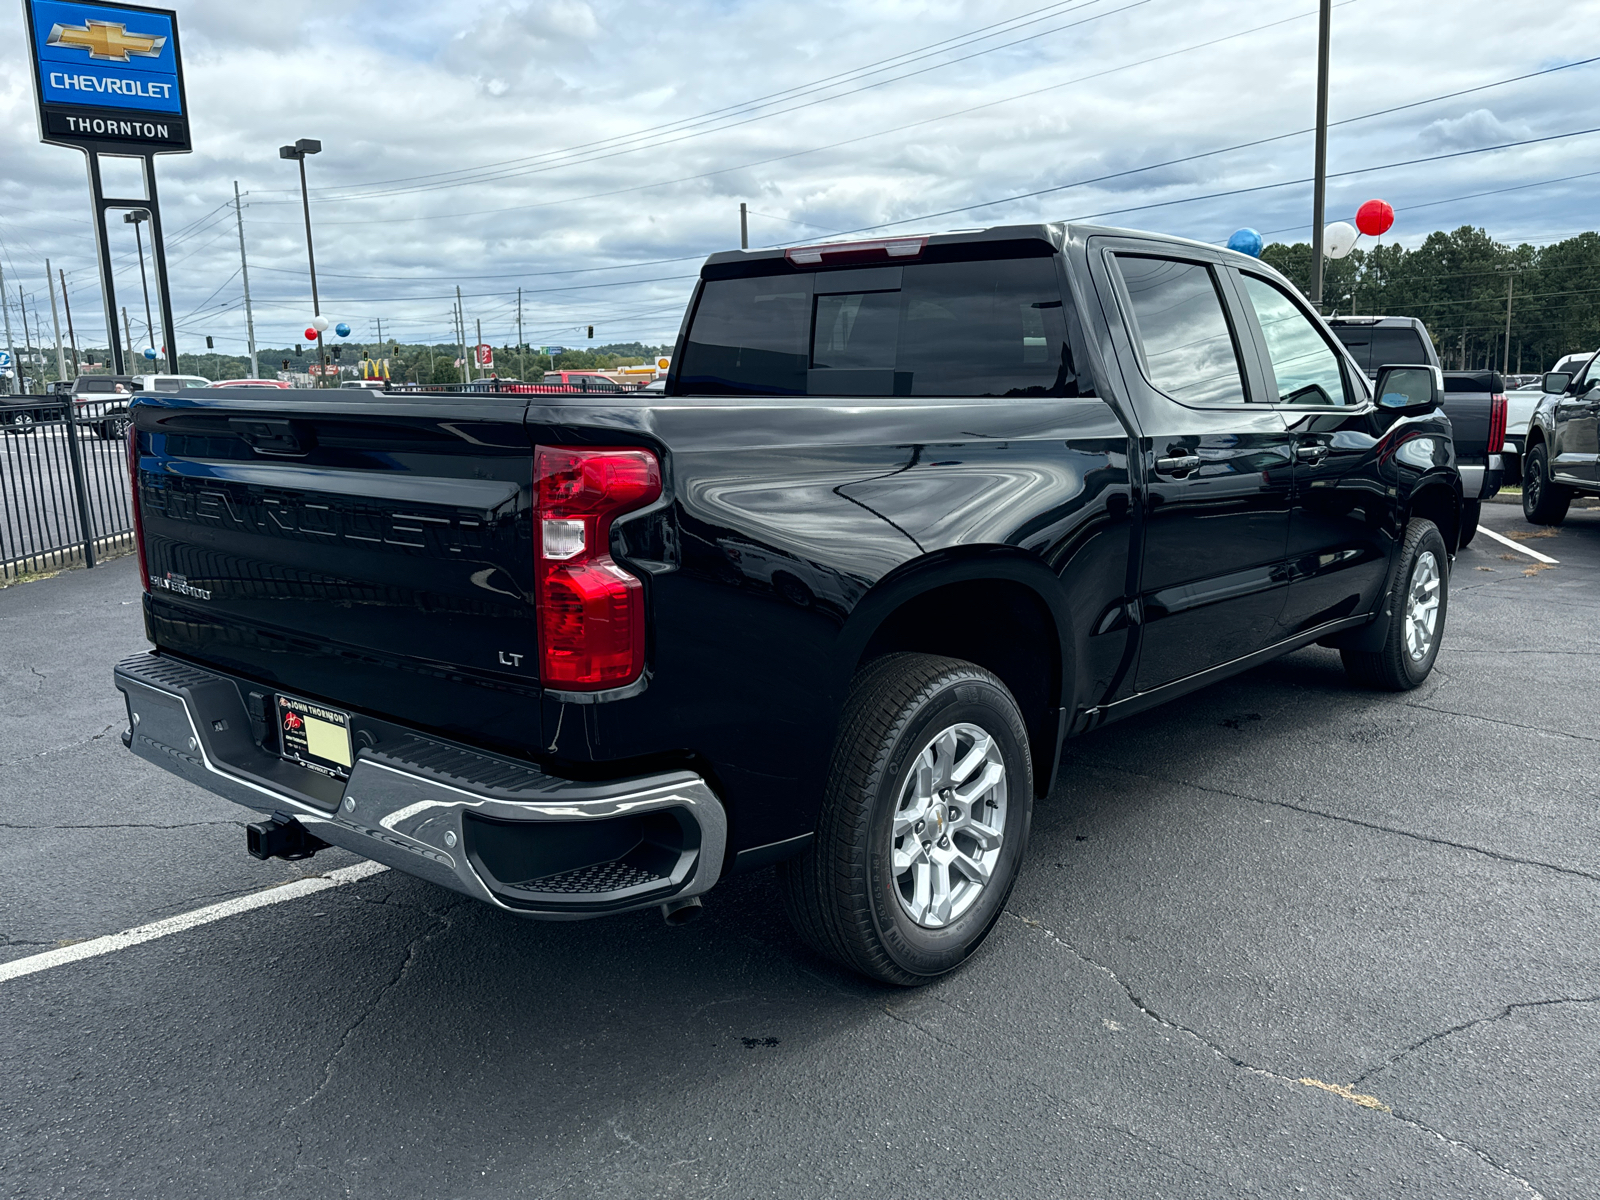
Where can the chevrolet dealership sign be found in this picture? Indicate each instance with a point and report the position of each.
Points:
(108, 75)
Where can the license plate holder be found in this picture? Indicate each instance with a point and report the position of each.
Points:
(314, 735)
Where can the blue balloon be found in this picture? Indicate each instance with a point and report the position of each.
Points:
(1246, 241)
(343, 330)
(150, 353)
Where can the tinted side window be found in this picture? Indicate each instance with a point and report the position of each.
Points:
(750, 336)
(1182, 331)
(1306, 367)
(984, 329)
(987, 328)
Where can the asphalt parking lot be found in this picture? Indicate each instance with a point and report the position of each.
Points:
(1281, 937)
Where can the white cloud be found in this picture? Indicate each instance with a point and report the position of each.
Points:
(1477, 128)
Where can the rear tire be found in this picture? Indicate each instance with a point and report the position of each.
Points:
(1418, 600)
(1471, 510)
(1543, 502)
(924, 821)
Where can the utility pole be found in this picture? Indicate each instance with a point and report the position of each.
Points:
(744, 227)
(1319, 198)
(475, 347)
(27, 342)
(244, 270)
(72, 337)
(1505, 363)
(55, 323)
(16, 363)
(522, 346)
(461, 331)
(127, 334)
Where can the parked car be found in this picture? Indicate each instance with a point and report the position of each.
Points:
(911, 513)
(1475, 401)
(1562, 458)
(583, 381)
(369, 385)
(171, 383)
(100, 403)
(1520, 404)
(252, 383)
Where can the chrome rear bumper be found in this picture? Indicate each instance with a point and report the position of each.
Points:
(489, 827)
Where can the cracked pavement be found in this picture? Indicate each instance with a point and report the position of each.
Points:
(1279, 937)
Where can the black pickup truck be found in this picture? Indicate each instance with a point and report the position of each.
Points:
(1562, 456)
(1475, 402)
(910, 513)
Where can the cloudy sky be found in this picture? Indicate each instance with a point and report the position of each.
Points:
(592, 152)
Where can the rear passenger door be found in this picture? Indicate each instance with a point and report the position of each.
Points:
(1339, 530)
(1216, 464)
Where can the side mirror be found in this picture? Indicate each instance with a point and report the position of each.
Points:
(1408, 391)
(1555, 382)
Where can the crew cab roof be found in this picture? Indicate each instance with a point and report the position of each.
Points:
(996, 241)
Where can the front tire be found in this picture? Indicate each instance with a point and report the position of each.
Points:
(1418, 600)
(924, 821)
(1543, 502)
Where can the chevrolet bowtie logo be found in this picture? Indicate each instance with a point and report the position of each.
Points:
(106, 40)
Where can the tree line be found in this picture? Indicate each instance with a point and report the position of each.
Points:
(1458, 285)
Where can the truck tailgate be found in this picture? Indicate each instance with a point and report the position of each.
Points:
(370, 551)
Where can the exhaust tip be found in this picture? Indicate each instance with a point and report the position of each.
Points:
(680, 912)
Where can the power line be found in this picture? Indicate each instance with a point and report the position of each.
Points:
(510, 169)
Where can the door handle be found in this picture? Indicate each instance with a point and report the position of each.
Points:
(1311, 454)
(1179, 465)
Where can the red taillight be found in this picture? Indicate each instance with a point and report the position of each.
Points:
(591, 611)
(848, 252)
(133, 489)
(1497, 423)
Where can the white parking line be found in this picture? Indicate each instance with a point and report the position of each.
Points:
(1505, 541)
(200, 916)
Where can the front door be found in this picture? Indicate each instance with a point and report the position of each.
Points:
(1216, 468)
(1339, 536)
(1576, 454)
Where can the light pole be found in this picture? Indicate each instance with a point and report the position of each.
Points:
(135, 218)
(298, 152)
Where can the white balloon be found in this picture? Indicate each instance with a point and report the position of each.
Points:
(320, 324)
(1339, 239)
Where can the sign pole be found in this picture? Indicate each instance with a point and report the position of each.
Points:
(113, 85)
(158, 251)
(102, 241)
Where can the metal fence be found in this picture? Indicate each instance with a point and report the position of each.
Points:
(63, 483)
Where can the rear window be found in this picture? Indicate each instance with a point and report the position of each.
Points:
(1374, 346)
(990, 328)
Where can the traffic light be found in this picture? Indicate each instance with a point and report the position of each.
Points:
(363, 356)
(209, 346)
(298, 351)
(286, 364)
(591, 331)
(336, 350)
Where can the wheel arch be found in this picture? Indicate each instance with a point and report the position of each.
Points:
(992, 606)
(1435, 498)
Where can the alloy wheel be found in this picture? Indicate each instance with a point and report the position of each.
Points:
(1422, 605)
(949, 825)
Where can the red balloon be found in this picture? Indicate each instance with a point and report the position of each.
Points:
(1375, 217)
(311, 334)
